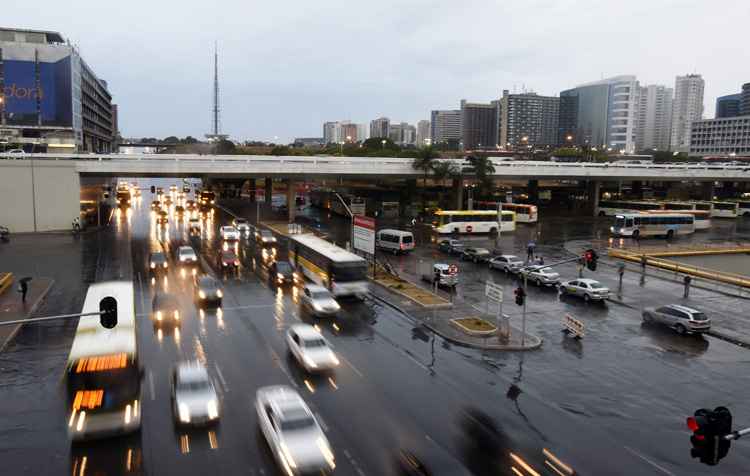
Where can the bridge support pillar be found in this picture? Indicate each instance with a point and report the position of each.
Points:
(533, 189)
(268, 192)
(458, 188)
(707, 191)
(291, 204)
(594, 190)
(637, 189)
(251, 189)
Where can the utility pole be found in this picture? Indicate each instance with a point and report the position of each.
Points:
(523, 319)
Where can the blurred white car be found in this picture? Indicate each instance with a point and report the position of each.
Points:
(296, 440)
(540, 275)
(319, 301)
(310, 348)
(194, 400)
(186, 255)
(229, 233)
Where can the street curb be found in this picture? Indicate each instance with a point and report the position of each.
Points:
(447, 305)
(455, 341)
(34, 307)
(728, 338)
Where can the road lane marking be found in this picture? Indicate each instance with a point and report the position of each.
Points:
(660, 468)
(321, 422)
(333, 383)
(249, 306)
(309, 386)
(151, 385)
(221, 377)
(352, 366)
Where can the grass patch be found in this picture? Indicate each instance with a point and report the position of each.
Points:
(475, 324)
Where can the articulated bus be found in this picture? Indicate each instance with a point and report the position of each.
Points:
(645, 224)
(612, 207)
(524, 213)
(725, 210)
(103, 375)
(677, 205)
(702, 217)
(342, 272)
(473, 221)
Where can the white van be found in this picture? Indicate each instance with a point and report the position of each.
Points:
(395, 241)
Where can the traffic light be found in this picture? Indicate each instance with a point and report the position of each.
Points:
(153, 189)
(590, 257)
(709, 428)
(108, 309)
(520, 295)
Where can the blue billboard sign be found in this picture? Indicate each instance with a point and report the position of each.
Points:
(55, 92)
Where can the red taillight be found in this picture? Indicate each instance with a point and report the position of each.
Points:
(402, 246)
(692, 424)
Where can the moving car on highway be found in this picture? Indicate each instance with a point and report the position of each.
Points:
(207, 290)
(682, 319)
(157, 262)
(264, 237)
(293, 434)
(186, 255)
(540, 275)
(310, 349)
(588, 289)
(242, 225)
(194, 399)
(507, 263)
(228, 261)
(319, 301)
(282, 272)
(165, 310)
(229, 233)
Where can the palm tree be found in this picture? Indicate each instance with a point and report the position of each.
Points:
(482, 168)
(425, 161)
(442, 170)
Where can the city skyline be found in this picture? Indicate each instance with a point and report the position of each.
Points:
(264, 61)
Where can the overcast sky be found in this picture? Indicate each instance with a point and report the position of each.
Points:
(288, 66)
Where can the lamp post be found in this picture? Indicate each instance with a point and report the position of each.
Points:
(382, 144)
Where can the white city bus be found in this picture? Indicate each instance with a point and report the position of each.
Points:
(679, 205)
(103, 376)
(705, 206)
(342, 272)
(616, 207)
(743, 208)
(702, 217)
(524, 213)
(640, 225)
(473, 221)
(725, 210)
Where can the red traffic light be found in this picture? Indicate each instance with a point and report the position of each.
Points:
(692, 424)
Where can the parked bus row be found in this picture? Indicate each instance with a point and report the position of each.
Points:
(716, 209)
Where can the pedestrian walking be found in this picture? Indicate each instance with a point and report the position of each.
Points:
(530, 253)
(23, 288)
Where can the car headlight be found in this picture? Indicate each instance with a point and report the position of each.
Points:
(184, 413)
(336, 305)
(325, 448)
(165, 265)
(219, 293)
(201, 294)
(334, 359)
(280, 276)
(153, 265)
(310, 362)
(177, 315)
(213, 409)
(236, 262)
(158, 315)
(317, 306)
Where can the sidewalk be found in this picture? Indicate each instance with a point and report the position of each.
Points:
(11, 307)
(438, 321)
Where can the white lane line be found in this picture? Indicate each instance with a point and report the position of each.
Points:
(140, 291)
(221, 377)
(321, 422)
(352, 366)
(275, 357)
(354, 463)
(249, 306)
(151, 385)
(660, 468)
(414, 359)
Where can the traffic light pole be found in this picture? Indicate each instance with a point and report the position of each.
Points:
(523, 319)
(736, 435)
(49, 318)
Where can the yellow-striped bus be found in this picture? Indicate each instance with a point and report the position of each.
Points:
(472, 221)
(342, 272)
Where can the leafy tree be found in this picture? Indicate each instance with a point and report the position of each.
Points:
(481, 167)
(189, 140)
(224, 147)
(424, 161)
(280, 150)
(374, 143)
(171, 140)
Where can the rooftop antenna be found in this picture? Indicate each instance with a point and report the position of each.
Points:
(216, 134)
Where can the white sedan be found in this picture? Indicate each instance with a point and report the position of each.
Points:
(319, 301)
(589, 289)
(229, 233)
(296, 440)
(540, 275)
(310, 348)
(186, 255)
(194, 400)
(507, 263)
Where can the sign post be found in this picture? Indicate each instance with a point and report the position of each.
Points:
(494, 292)
(363, 238)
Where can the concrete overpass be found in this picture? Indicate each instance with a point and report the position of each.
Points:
(41, 192)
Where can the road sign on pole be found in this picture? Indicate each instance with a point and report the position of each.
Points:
(364, 234)
(493, 291)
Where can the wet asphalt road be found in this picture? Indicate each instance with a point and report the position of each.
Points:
(612, 404)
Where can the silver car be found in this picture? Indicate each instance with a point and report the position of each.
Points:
(540, 275)
(507, 263)
(588, 289)
(310, 348)
(296, 440)
(194, 400)
(680, 318)
(319, 301)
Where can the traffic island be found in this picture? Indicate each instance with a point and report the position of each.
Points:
(411, 291)
(474, 326)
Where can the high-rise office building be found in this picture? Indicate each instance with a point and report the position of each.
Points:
(363, 132)
(445, 126)
(480, 125)
(728, 106)
(686, 108)
(423, 133)
(602, 114)
(654, 124)
(402, 133)
(528, 119)
(337, 132)
(51, 99)
(380, 127)
(745, 100)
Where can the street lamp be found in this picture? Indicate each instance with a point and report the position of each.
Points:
(382, 142)
(348, 138)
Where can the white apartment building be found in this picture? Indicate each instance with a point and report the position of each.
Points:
(423, 133)
(654, 125)
(686, 108)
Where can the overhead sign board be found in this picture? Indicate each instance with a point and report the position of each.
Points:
(364, 234)
(494, 291)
